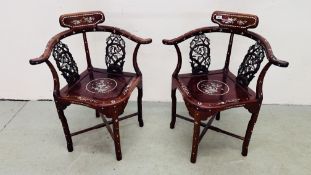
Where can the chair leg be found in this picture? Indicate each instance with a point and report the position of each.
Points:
(139, 105)
(218, 116)
(195, 141)
(117, 143)
(97, 114)
(66, 129)
(249, 132)
(173, 96)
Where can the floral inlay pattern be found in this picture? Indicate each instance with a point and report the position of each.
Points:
(83, 20)
(101, 85)
(213, 87)
(235, 20)
(228, 20)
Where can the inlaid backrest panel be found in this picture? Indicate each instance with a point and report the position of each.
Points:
(251, 64)
(200, 59)
(236, 21)
(82, 19)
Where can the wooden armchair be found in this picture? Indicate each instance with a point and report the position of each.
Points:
(207, 92)
(105, 90)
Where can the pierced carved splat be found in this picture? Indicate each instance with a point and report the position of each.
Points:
(65, 63)
(250, 64)
(115, 53)
(200, 54)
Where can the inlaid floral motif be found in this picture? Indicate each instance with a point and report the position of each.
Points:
(213, 87)
(240, 22)
(101, 85)
(228, 20)
(87, 20)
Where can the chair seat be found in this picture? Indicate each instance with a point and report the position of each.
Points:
(217, 89)
(99, 89)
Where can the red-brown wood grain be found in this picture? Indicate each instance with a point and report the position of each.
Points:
(208, 94)
(107, 93)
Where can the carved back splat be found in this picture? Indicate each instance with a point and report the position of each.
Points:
(65, 63)
(250, 64)
(115, 53)
(200, 54)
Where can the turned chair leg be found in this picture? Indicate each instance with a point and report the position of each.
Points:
(249, 132)
(195, 141)
(117, 143)
(97, 113)
(218, 116)
(139, 105)
(173, 96)
(66, 129)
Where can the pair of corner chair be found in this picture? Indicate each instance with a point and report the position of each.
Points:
(206, 93)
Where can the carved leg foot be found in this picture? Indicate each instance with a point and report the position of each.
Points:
(97, 114)
(248, 133)
(218, 116)
(66, 129)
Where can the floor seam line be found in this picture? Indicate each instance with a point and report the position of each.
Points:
(12, 118)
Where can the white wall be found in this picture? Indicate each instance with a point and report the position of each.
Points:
(26, 26)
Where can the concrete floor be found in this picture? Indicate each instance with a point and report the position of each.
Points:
(32, 142)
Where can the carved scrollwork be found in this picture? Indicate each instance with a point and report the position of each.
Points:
(65, 63)
(200, 54)
(115, 53)
(250, 64)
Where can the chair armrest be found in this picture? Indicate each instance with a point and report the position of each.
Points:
(131, 36)
(190, 34)
(168, 41)
(277, 62)
(47, 52)
(124, 33)
(49, 47)
(143, 40)
(270, 56)
(40, 59)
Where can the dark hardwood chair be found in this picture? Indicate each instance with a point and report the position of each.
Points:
(105, 90)
(208, 92)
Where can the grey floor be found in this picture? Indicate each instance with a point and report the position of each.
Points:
(32, 142)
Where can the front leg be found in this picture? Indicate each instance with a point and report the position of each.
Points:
(249, 132)
(173, 96)
(195, 140)
(61, 115)
(117, 143)
(139, 105)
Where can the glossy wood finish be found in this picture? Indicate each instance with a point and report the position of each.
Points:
(206, 95)
(237, 21)
(107, 93)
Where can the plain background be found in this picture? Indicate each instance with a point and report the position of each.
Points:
(26, 26)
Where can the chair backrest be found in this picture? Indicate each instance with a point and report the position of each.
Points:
(235, 21)
(84, 22)
(229, 22)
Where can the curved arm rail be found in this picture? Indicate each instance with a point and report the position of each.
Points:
(55, 78)
(249, 34)
(54, 40)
